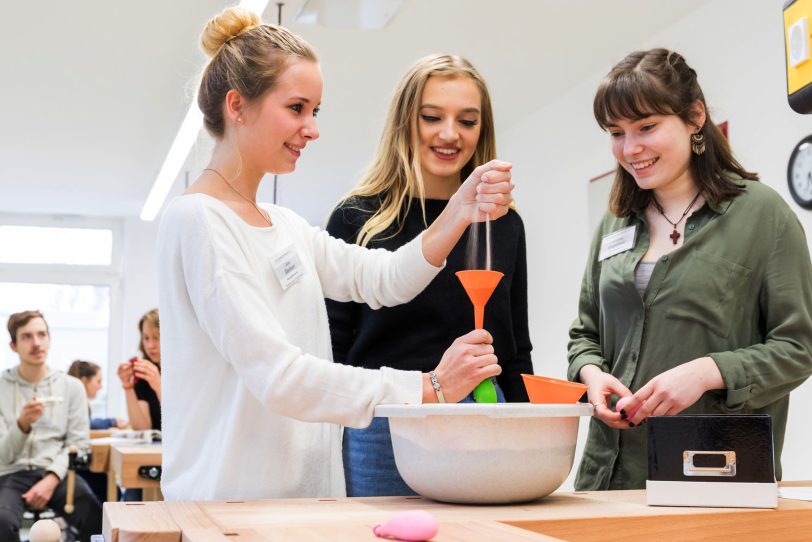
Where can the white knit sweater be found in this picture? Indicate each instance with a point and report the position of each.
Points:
(247, 365)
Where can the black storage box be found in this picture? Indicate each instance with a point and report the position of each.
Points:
(711, 461)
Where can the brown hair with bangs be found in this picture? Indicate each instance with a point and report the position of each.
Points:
(660, 82)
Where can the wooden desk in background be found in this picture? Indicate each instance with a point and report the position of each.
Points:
(121, 458)
(580, 516)
(100, 462)
(126, 458)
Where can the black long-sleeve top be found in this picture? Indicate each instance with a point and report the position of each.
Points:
(414, 336)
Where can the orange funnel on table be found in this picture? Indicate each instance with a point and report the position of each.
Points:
(479, 284)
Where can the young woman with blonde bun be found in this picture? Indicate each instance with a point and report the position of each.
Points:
(242, 286)
(438, 130)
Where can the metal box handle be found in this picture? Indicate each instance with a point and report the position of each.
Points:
(689, 469)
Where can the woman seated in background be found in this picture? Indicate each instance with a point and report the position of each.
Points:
(90, 375)
(440, 118)
(141, 377)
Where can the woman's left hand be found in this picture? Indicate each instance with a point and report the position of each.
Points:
(487, 191)
(673, 391)
(146, 370)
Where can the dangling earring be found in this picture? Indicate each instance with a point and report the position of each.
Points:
(698, 143)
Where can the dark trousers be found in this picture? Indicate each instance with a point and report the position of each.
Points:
(97, 482)
(86, 518)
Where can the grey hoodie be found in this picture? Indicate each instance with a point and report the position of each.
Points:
(62, 424)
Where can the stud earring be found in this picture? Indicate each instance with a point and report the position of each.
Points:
(239, 119)
(698, 143)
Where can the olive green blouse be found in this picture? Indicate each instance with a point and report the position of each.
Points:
(738, 290)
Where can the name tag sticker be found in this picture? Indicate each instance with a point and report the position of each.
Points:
(288, 267)
(617, 242)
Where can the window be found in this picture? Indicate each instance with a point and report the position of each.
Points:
(41, 245)
(68, 269)
(78, 318)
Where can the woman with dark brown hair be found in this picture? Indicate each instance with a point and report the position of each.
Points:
(697, 291)
(91, 376)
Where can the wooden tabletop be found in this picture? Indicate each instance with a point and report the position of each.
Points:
(579, 516)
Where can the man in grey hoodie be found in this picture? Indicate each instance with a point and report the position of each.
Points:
(42, 413)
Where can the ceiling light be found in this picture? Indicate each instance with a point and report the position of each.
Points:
(365, 14)
(185, 138)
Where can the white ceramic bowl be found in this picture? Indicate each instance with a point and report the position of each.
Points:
(484, 453)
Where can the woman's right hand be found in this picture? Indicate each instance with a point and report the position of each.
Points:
(487, 191)
(31, 412)
(125, 374)
(601, 386)
(467, 362)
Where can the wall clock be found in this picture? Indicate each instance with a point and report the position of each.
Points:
(799, 173)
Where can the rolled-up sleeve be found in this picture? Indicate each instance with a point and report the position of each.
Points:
(762, 373)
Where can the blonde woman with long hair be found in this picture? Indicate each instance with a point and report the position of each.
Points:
(439, 129)
(252, 401)
(141, 375)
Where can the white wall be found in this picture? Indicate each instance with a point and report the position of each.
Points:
(737, 49)
(138, 294)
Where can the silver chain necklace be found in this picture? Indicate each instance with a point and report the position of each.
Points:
(262, 213)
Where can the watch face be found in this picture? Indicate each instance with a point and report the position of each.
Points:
(799, 173)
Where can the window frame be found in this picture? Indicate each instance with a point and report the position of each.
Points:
(100, 275)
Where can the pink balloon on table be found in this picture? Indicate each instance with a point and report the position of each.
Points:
(410, 526)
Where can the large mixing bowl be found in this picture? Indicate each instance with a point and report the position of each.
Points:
(484, 453)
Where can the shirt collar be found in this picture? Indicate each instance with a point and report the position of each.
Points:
(723, 206)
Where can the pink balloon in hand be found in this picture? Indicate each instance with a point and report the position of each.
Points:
(621, 404)
(410, 526)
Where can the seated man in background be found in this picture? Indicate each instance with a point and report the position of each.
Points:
(35, 434)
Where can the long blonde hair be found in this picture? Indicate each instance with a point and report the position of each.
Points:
(154, 319)
(395, 174)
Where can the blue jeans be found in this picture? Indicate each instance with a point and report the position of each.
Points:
(369, 462)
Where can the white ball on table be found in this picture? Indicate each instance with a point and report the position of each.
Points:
(45, 530)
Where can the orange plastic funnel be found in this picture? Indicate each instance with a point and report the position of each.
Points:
(546, 390)
(479, 284)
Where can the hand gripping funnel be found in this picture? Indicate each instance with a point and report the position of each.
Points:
(479, 284)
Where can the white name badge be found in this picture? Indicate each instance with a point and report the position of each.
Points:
(617, 242)
(288, 267)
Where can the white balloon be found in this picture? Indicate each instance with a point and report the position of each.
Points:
(45, 530)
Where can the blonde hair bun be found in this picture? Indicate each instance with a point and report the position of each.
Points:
(223, 28)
